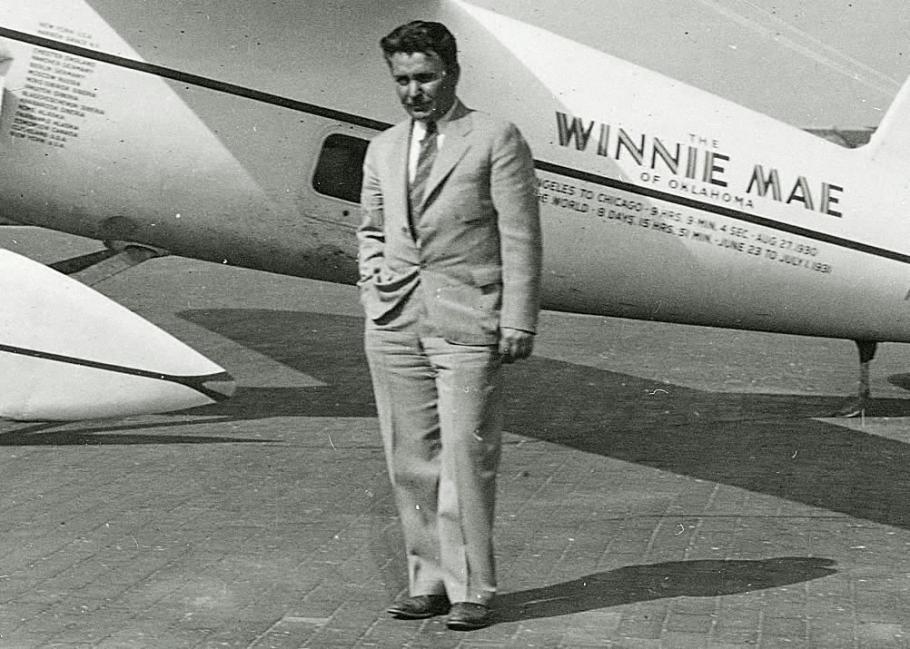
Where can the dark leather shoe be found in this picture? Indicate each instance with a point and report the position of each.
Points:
(419, 607)
(467, 616)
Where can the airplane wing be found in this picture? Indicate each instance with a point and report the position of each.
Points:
(67, 352)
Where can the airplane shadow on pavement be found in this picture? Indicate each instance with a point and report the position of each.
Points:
(769, 444)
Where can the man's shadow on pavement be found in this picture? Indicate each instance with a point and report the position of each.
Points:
(639, 583)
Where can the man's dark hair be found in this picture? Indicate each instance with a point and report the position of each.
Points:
(425, 37)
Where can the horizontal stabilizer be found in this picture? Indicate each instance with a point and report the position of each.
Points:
(892, 137)
(67, 352)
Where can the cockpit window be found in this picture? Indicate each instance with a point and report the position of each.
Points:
(339, 170)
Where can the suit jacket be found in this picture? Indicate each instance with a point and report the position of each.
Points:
(477, 250)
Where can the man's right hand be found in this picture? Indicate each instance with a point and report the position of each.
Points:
(515, 344)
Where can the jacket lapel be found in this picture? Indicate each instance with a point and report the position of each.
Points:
(453, 149)
(398, 170)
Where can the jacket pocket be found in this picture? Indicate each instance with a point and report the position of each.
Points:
(467, 314)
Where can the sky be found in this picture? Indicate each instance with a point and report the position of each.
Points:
(810, 63)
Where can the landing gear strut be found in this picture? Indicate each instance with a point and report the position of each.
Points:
(861, 404)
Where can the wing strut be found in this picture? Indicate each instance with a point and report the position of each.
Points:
(96, 267)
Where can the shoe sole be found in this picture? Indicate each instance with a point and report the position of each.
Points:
(401, 615)
(468, 626)
(404, 614)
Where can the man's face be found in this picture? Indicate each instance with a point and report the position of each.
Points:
(425, 88)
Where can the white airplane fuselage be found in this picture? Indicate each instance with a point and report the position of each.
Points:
(233, 136)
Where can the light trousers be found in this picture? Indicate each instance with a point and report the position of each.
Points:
(440, 415)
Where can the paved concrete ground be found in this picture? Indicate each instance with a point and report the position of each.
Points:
(661, 487)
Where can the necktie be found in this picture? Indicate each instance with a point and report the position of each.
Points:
(424, 165)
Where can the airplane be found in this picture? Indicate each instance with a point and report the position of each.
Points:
(234, 132)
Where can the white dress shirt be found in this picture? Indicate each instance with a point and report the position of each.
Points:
(418, 132)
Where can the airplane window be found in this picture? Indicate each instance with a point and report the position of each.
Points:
(339, 170)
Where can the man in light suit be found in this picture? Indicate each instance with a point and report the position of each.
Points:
(450, 254)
